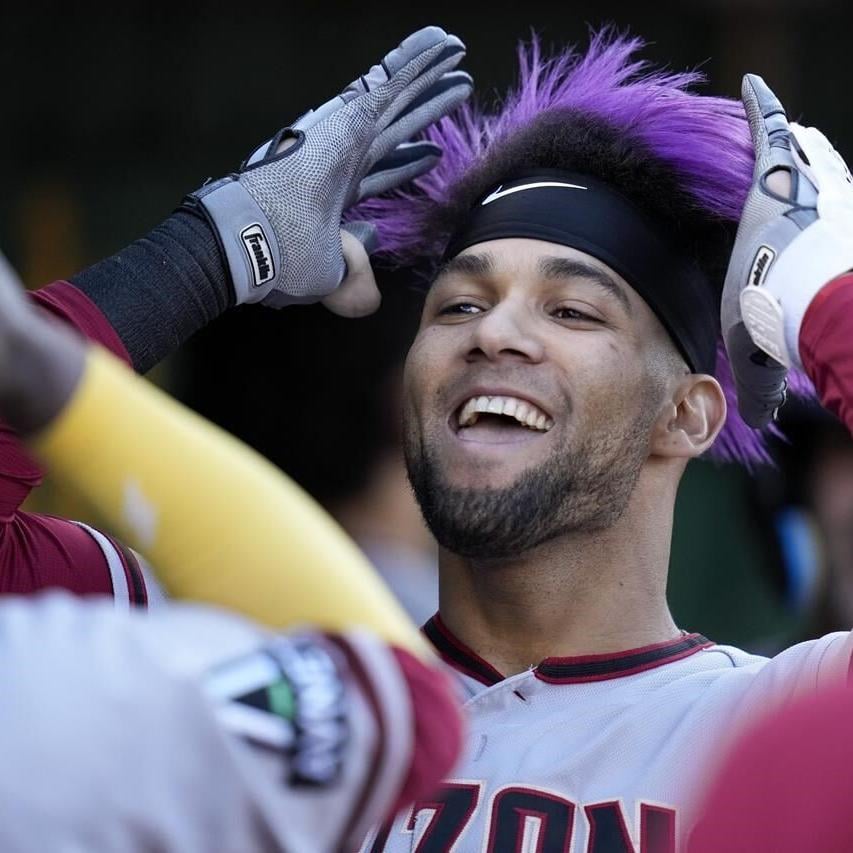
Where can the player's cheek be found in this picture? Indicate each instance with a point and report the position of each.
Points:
(605, 392)
(422, 372)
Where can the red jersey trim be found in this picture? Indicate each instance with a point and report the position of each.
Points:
(458, 655)
(567, 670)
(363, 680)
(574, 670)
(136, 589)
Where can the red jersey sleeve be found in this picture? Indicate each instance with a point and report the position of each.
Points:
(786, 784)
(438, 734)
(39, 551)
(826, 347)
(19, 472)
(74, 308)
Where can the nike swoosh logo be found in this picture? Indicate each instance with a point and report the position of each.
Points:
(500, 192)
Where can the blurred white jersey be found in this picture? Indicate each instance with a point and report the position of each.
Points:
(191, 730)
(598, 754)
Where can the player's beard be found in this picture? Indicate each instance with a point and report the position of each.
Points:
(579, 488)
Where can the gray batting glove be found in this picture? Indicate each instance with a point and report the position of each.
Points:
(795, 236)
(279, 217)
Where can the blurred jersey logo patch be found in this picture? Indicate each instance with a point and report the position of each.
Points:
(289, 697)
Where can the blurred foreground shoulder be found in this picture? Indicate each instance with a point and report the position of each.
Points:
(193, 729)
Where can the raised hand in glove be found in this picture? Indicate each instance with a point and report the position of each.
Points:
(279, 217)
(795, 236)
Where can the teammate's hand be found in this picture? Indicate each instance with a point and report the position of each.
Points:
(795, 236)
(279, 217)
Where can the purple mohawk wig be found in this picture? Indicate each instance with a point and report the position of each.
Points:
(703, 142)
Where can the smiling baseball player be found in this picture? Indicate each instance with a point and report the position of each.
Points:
(566, 369)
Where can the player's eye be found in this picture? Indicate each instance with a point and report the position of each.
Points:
(459, 308)
(569, 313)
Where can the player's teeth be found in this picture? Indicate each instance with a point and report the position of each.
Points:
(462, 416)
(468, 415)
(525, 413)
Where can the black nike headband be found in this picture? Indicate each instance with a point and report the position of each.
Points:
(587, 214)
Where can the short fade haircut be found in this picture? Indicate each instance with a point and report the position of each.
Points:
(685, 159)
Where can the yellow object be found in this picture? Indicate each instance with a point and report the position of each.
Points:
(218, 522)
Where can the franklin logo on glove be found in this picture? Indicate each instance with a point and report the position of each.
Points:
(260, 258)
(761, 266)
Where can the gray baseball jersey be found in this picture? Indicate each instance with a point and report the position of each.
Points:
(191, 730)
(598, 754)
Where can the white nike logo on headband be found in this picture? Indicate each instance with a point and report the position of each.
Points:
(500, 192)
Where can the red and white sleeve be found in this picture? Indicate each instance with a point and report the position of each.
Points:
(826, 346)
(39, 552)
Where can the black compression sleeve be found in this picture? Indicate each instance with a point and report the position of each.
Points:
(161, 289)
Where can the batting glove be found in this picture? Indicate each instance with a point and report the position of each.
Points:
(279, 217)
(795, 236)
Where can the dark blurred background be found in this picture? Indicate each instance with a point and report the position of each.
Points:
(113, 112)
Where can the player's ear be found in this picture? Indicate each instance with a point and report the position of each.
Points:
(691, 418)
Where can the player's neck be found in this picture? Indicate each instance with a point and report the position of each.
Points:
(583, 593)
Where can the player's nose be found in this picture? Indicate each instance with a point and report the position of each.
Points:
(506, 331)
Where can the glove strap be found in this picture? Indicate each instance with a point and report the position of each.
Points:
(763, 318)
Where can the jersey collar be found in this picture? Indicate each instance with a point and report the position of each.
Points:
(458, 655)
(568, 670)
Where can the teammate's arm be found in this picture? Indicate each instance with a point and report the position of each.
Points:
(225, 527)
(40, 551)
(145, 301)
(195, 730)
(220, 523)
(272, 231)
(787, 296)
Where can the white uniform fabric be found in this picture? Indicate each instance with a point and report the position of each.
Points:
(136, 731)
(607, 755)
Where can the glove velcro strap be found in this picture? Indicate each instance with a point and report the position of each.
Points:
(250, 245)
